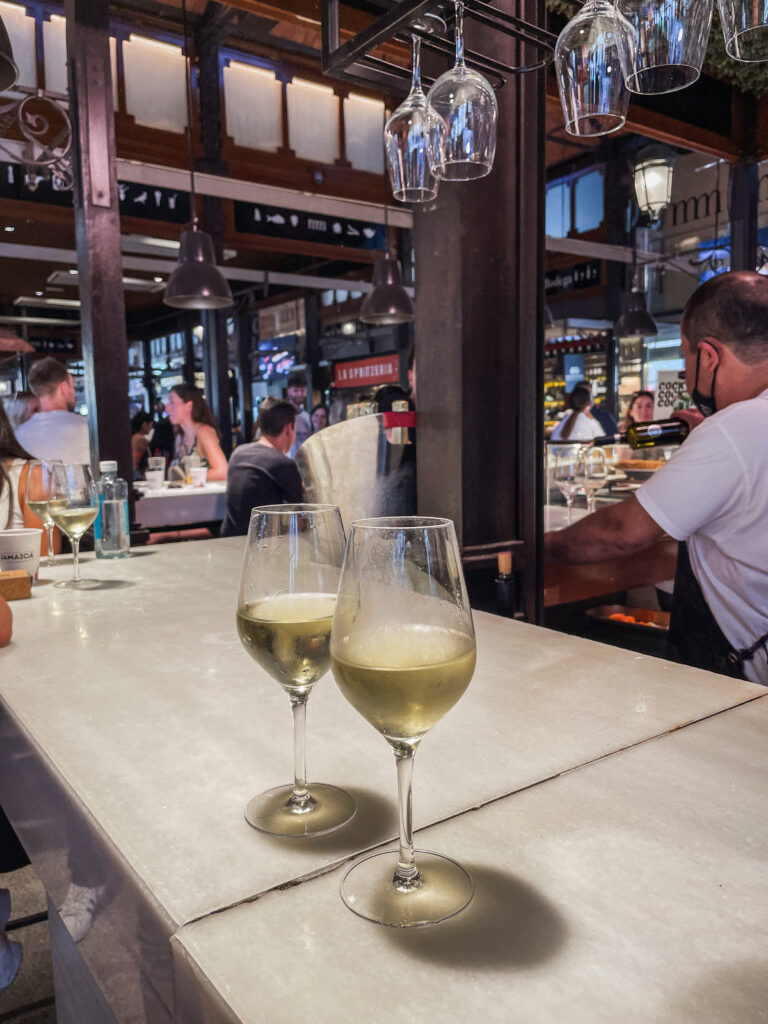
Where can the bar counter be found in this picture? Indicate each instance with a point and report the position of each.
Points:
(135, 729)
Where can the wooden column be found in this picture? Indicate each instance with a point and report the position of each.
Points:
(97, 229)
(244, 378)
(479, 331)
(744, 186)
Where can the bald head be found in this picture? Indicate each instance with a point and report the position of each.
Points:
(732, 308)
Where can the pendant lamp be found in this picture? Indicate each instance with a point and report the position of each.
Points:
(9, 73)
(387, 302)
(196, 283)
(635, 320)
(653, 180)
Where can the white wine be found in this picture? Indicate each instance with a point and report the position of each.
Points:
(40, 508)
(288, 635)
(403, 679)
(73, 521)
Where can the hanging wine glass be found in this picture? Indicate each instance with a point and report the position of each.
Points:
(588, 68)
(406, 140)
(462, 141)
(663, 48)
(745, 28)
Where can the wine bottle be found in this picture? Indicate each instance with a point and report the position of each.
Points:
(648, 435)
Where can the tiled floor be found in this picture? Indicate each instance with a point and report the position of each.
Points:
(29, 999)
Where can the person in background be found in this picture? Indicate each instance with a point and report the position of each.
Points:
(296, 393)
(603, 417)
(260, 473)
(579, 424)
(20, 408)
(163, 437)
(55, 431)
(639, 410)
(712, 495)
(142, 428)
(196, 429)
(319, 417)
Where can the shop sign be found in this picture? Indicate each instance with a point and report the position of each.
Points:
(362, 373)
(67, 348)
(566, 279)
(287, 318)
(278, 222)
(145, 201)
(671, 394)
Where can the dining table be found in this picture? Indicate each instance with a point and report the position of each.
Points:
(609, 807)
(178, 505)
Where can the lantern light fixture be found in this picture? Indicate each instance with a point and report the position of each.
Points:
(653, 180)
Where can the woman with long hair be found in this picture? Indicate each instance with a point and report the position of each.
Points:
(196, 429)
(579, 424)
(639, 410)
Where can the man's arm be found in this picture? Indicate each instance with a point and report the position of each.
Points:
(610, 533)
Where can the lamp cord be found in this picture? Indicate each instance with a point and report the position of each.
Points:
(188, 91)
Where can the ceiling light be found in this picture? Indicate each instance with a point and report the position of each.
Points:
(38, 294)
(635, 320)
(9, 227)
(387, 302)
(653, 180)
(34, 302)
(157, 280)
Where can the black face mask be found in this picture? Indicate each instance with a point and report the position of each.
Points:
(704, 403)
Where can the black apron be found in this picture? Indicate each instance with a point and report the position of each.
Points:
(694, 635)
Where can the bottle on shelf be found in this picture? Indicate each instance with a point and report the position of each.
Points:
(112, 531)
(648, 435)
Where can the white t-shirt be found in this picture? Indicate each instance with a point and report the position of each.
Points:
(13, 470)
(586, 428)
(56, 435)
(713, 494)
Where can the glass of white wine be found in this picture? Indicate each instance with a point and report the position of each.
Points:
(566, 462)
(591, 473)
(39, 489)
(285, 608)
(403, 653)
(73, 506)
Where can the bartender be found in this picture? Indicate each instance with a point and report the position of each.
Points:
(712, 496)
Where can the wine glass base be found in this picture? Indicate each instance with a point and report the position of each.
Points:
(79, 584)
(369, 891)
(273, 813)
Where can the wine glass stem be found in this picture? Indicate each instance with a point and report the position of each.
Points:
(416, 64)
(459, 33)
(300, 794)
(407, 874)
(76, 558)
(51, 555)
(569, 503)
(590, 501)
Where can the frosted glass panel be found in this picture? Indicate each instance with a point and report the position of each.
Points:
(55, 48)
(313, 121)
(155, 83)
(253, 107)
(21, 32)
(364, 127)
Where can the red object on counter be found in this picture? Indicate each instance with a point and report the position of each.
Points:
(398, 419)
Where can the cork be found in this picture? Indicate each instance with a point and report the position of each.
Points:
(15, 584)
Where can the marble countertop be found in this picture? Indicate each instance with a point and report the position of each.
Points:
(632, 889)
(142, 726)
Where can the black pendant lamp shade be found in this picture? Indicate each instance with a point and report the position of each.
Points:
(197, 283)
(9, 73)
(387, 302)
(635, 320)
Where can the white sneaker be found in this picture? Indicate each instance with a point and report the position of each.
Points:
(79, 908)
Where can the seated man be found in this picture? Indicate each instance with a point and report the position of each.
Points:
(260, 473)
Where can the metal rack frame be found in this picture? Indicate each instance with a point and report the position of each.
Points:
(352, 61)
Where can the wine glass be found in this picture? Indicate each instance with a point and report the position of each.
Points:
(588, 70)
(663, 43)
(285, 606)
(403, 653)
(406, 140)
(566, 461)
(591, 473)
(73, 506)
(39, 488)
(462, 139)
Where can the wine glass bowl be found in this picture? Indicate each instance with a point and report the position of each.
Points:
(406, 141)
(284, 614)
(462, 137)
(591, 473)
(38, 497)
(403, 653)
(588, 70)
(73, 506)
(663, 43)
